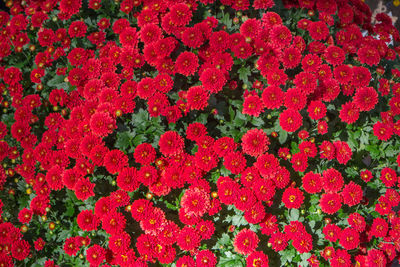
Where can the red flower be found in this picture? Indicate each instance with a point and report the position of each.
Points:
(71, 247)
(295, 99)
(331, 232)
(303, 243)
(267, 165)
(383, 131)
(334, 55)
(144, 154)
(195, 130)
(102, 124)
(185, 261)
(113, 222)
(341, 258)
(257, 258)
(171, 143)
(227, 190)
(245, 242)
(186, 63)
(368, 55)
(376, 257)
(140, 209)
(87, 221)
(299, 162)
(361, 76)
(291, 57)
(306, 82)
(245, 199)
(343, 152)
(290, 120)
(24, 216)
(322, 127)
(84, 189)
(188, 238)
(235, 162)
(115, 160)
(39, 244)
(316, 110)
(318, 30)
(332, 180)
(349, 113)
(292, 198)
(278, 241)
(388, 177)
(352, 194)
(255, 142)
(379, 227)
(366, 175)
(252, 105)
(213, 79)
(95, 255)
(343, 74)
(205, 258)
(280, 36)
(119, 243)
(330, 203)
(349, 238)
(180, 14)
(264, 189)
(54, 178)
(197, 98)
(20, 249)
(195, 202)
(365, 98)
(312, 182)
(357, 222)
(327, 150)
(273, 97)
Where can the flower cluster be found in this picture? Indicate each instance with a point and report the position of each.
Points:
(141, 132)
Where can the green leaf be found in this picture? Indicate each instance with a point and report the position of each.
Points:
(123, 140)
(244, 73)
(294, 214)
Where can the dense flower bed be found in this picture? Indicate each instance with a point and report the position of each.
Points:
(198, 133)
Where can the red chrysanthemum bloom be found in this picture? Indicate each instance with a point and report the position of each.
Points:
(188, 238)
(357, 222)
(87, 221)
(113, 222)
(295, 99)
(267, 165)
(303, 243)
(180, 14)
(322, 127)
(213, 79)
(278, 241)
(292, 198)
(388, 177)
(365, 98)
(115, 160)
(361, 76)
(376, 257)
(273, 97)
(20, 249)
(331, 232)
(255, 142)
(330, 203)
(349, 238)
(252, 105)
(280, 36)
(343, 74)
(383, 131)
(245, 242)
(54, 178)
(332, 180)
(264, 189)
(71, 247)
(205, 258)
(206, 229)
(290, 120)
(245, 199)
(379, 227)
(312, 182)
(24, 216)
(186, 63)
(257, 258)
(299, 162)
(291, 57)
(334, 55)
(340, 258)
(227, 190)
(197, 98)
(327, 150)
(349, 113)
(277, 77)
(95, 255)
(343, 152)
(352, 194)
(195, 131)
(39, 244)
(318, 30)
(102, 124)
(235, 162)
(144, 154)
(195, 202)
(150, 33)
(316, 110)
(171, 143)
(311, 63)
(84, 189)
(306, 82)
(368, 55)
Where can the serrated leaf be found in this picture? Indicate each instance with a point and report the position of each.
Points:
(244, 73)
